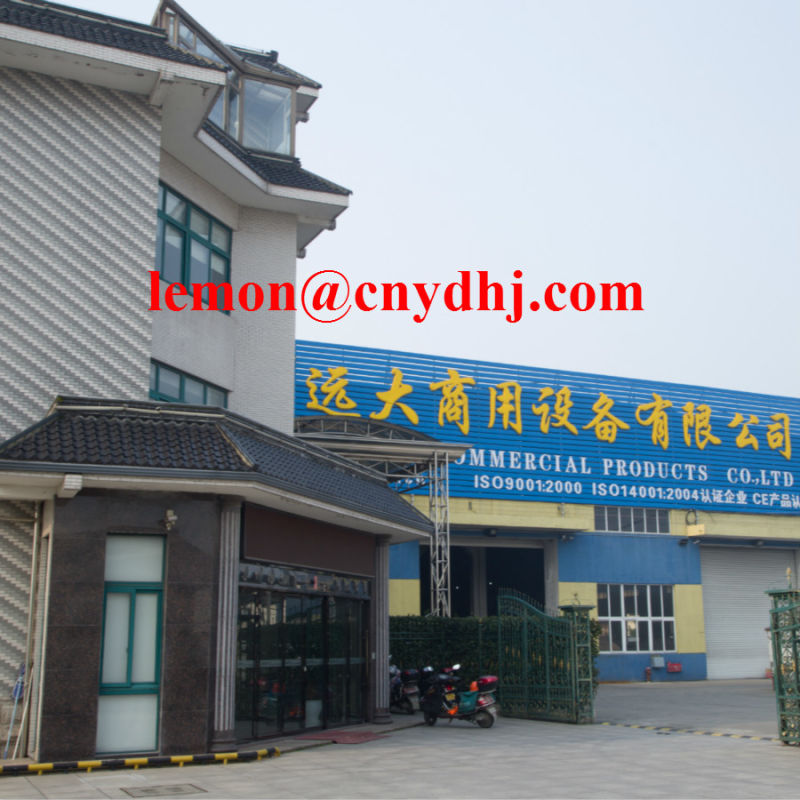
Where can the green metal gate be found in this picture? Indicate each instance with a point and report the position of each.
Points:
(785, 635)
(545, 662)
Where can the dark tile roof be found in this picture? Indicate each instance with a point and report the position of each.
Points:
(85, 26)
(277, 170)
(269, 61)
(169, 439)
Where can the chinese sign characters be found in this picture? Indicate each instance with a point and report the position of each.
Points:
(534, 434)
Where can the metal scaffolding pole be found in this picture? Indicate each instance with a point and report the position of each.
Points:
(439, 512)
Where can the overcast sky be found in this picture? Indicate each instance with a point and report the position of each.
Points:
(594, 141)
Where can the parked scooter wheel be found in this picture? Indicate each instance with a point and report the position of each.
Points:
(484, 719)
(406, 705)
(430, 719)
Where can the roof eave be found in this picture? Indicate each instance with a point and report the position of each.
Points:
(96, 64)
(38, 481)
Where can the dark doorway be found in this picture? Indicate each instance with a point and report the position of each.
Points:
(509, 568)
(520, 568)
(460, 582)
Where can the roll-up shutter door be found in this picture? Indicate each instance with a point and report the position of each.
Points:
(736, 607)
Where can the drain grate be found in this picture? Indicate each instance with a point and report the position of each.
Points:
(170, 790)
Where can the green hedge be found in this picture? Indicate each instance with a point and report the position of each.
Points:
(443, 641)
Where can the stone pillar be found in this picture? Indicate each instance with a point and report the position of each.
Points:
(224, 735)
(380, 616)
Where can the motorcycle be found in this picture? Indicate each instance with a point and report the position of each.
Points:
(443, 700)
(403, 689)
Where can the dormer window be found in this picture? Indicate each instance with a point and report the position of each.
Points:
(189, 40)
(259, 114)
(267, 117)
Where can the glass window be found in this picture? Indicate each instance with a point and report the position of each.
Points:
(185, 36)
(115, 638)
(169, 21)
(217, 115)
(635, 617)
(193, 391)
(174, 206)
(205, 51)
(201, 224)
(631, 520)
(265, 109)
(134, 558)
(615, 592)
(629, 593)
(216, 397)
(221, 237)
(127, 711)
(191, 246)
(602, 599)
(655, 601)
(267, 117)
(168, 383)
(173, 386)
(233, 113)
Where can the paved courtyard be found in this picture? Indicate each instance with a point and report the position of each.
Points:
(514, 759)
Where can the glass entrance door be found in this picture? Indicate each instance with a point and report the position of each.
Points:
(346, 661)
(301, 662)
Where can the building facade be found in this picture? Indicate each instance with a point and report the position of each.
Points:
(670, 509)
(180, 574)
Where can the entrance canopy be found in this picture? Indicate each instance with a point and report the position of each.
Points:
(85, 443)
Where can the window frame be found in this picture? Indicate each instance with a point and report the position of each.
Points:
(189, 235)
(129, 686)
(604, 515)
(154, 394)
(173, 22)
(624, 618)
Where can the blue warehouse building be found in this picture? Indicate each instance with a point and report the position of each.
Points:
(670, 508)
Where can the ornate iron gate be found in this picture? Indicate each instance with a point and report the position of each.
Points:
(785, 635)
(545, 662)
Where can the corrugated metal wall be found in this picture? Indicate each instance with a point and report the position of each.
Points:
(78, 187)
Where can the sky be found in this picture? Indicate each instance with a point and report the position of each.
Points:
(574, 140)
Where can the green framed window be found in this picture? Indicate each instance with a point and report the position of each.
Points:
(173, 386)
(191, 245)
(130, 656)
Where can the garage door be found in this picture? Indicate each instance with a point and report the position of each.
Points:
(736, 608)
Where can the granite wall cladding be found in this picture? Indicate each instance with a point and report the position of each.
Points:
(69, 708)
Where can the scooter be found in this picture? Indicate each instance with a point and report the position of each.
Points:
(403, 689)
(443, 700)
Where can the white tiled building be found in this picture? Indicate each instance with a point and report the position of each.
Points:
(135, 534)
(97, 114)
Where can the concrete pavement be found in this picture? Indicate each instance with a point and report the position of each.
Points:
(742, 707)
(514, 759)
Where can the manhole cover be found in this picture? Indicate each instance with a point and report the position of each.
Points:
(170, 790)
